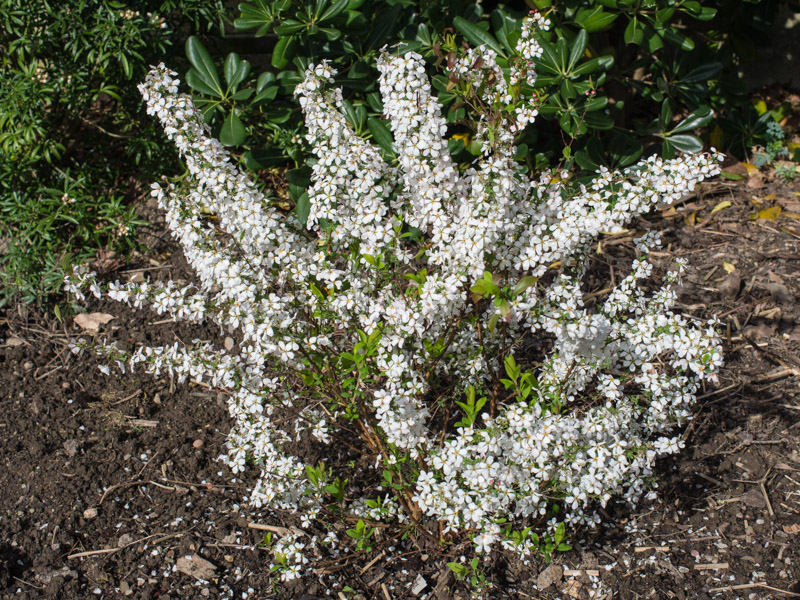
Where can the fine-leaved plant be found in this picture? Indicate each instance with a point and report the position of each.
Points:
(425, 332)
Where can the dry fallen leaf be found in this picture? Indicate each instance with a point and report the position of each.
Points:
(196, 566)
(793, 528)
(729, 268)
(721, 206)
(91, 321)
(769, 214)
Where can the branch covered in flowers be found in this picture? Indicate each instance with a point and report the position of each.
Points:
(427, 332)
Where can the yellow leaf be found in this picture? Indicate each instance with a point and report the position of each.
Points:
(720, 206)
(729, 268)
(691, 219)
(760, 106)
(769, 214)
(750, 168)
(770, 197)
(556, 265)
(600, 248)
(717, 137)
(791, 215)
(464, 137)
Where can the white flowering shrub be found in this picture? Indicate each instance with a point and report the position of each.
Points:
(421, 352)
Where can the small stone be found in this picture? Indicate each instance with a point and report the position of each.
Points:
(27, 365)
(754, 498)
(197, 444)
(730, 286)
(550, 576)
(125, 588)
(228, 343)
(419, 585)
(71, 447)
(90, 513)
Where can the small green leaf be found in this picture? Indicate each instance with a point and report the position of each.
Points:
(633, 33)
(235, 70)
(302, 208)
(380, 133)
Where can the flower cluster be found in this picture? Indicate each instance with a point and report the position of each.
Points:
(427, 333)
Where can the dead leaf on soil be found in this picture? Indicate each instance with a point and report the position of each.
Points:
(730, 285)
(774, 278)
(91, 321)
(780, 292)
(14, 341)
(550, 576)
(769, 214)
(729, 267)
(721, 206)
(756, 181)
(196, 566)
(793, 528)
(790, 204)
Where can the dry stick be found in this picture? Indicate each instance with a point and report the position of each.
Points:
(370, 563)
(112, 550)
(710, 566)
(756, 584)
(761, 483)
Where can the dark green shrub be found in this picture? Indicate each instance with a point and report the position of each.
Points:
(73, 134)
(618, 78)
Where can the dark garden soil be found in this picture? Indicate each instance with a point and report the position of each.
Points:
(111, 488)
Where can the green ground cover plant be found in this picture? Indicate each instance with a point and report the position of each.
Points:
(73, 143)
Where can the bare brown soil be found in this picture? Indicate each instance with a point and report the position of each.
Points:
(110, 486)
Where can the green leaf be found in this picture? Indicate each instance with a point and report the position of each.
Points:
(267, 93)
(703, 73)
(477, 36)
(524, 283)
(601, 63)
(595, 19)
(633, 33)
(300, 177)
(383, 25)
(235, 70)
(233, 132)
(289, 27)
(203, 66)
(678, 39)
(380, 133)
(262, 158)
(578, 47)
(699, 118)
(284, 52)
(686, 143)
(334, 9)
(302, 208)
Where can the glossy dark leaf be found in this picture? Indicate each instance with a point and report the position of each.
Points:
(203, 66)
(284, 52)
(686, 143)
(477, 36)
(232, 132)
